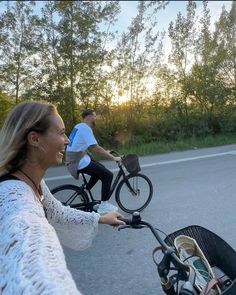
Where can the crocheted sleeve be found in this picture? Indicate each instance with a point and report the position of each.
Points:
(31, 257)
(76, 229)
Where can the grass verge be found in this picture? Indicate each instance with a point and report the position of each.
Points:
(179, 145)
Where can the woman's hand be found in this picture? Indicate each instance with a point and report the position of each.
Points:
(111, 218)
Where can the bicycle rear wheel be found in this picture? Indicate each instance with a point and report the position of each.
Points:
(134, 193)
(72, 195)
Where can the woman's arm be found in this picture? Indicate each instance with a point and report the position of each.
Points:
(76, 229)
(32, 259)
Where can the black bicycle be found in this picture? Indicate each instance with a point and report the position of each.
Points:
(133, 191)
(180, 277)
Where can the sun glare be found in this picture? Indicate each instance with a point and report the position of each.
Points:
(123, 95)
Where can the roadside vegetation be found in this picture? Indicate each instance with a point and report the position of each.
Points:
(179, 145)
(69, 53)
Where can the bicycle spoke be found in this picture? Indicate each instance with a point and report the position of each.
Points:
(135, 193)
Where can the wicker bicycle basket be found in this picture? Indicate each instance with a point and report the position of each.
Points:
(131, 163)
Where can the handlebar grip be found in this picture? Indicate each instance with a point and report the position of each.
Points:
(133, 221)
(127, 221)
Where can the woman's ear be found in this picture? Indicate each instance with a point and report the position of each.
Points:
(33, 138)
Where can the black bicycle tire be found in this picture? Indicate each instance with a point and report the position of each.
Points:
(77, 190)
(117, 194)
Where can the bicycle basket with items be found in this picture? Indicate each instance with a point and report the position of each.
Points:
(212, 259)
(131, 163)
(190, 252)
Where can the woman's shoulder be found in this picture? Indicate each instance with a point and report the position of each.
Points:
(17, 197)
(12, 183)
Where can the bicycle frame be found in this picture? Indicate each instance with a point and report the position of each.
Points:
(133, 191)
(120, 174)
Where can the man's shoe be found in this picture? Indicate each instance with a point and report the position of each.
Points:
(106, 207)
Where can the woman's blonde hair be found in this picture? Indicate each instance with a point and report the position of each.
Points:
(24, 117)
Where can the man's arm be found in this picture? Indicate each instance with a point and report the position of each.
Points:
(100, 150)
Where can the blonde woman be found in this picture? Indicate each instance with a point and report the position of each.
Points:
(32, 221)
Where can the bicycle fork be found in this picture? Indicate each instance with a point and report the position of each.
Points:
(132, 190)
(167, 283)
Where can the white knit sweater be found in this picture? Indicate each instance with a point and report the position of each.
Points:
(31, 257)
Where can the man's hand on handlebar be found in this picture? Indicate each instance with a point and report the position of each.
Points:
(116, 156)
(117, 159)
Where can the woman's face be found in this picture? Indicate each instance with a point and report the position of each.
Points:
(52, 144)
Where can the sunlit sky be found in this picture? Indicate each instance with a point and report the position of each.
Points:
(129, 11)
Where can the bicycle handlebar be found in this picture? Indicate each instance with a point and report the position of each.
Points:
(115, 153)
(136, 222)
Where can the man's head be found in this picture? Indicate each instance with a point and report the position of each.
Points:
(87, 112)
(89, 116)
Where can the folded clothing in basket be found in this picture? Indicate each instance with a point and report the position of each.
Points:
(190, 252)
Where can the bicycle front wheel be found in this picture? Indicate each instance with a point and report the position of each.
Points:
(134, 193)
(71, 195)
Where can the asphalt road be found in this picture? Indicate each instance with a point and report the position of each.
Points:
(191, 187)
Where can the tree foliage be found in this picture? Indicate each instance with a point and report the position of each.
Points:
(17, 47)
(70, 54)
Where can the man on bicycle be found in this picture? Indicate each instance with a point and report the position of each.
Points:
(82, 139)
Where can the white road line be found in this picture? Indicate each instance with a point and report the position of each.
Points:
(190, 159)
(156, 164)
